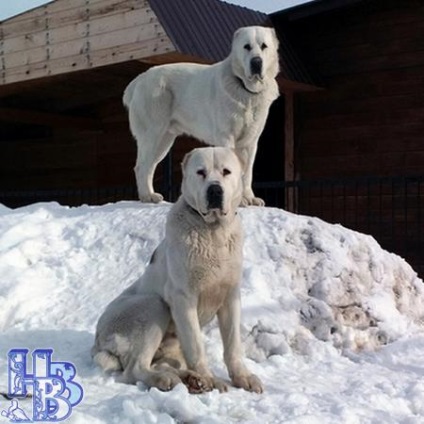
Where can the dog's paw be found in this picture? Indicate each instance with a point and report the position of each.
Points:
(197, 383)
(251, 383)
(151, 198)
(251, 201)
(164, 381)
(220, 385)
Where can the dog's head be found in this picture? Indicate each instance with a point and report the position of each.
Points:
(254, 56)
(212, 182)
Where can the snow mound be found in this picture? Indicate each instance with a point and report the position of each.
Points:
(303, 278)
(318, 280)
(310, 290)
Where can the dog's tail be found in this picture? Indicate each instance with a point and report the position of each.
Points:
(106, 360)
(150, 82)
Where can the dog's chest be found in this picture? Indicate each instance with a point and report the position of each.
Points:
(210, 300)
(214, 259)
(244, 116)
(215, 268)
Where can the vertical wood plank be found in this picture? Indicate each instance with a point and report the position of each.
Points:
(289, 165)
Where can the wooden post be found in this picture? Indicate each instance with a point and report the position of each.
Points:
(289, 172)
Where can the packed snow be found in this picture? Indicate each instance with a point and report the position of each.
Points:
(331, 323)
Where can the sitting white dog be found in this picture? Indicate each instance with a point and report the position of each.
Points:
(152, 331)
(225, 104)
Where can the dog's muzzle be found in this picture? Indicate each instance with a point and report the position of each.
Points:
(215, 196)
(256, 66)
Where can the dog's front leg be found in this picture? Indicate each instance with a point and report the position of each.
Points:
(184, 313)
(246, 153)
(229, 325)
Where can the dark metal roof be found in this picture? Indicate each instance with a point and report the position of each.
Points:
(204, 28)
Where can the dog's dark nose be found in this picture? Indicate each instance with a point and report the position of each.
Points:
(215, 196)
(256, 65)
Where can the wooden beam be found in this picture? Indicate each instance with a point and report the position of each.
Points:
(173, 57)
(64, 12)
(85, 36)
(53, 37)
(81, 46)
(98, 58)
(295, 86)
(48, 119)
(289, 171)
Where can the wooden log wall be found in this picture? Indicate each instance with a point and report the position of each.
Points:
(48, 162)
(65, 36)
(369, 119)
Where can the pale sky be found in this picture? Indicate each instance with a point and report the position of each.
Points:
(267, 6)
(10, 8)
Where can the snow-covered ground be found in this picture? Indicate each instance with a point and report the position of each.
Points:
(331, 323)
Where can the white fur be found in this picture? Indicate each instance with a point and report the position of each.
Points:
(222, 104)
(152, 331)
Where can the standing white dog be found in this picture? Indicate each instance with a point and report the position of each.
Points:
(193, 275)
(225, 104)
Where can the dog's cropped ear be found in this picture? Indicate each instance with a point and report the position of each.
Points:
(237, 33)
(275, 36)
(185, 160)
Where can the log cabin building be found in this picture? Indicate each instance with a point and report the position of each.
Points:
(343, 142)
(359, 142)
(63, 69)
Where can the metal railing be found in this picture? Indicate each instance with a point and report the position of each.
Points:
(391, 209)
(70, 197)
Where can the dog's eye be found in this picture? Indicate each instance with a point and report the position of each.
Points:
(202, 173)
(248, 47)
(226, 172)
(264, 46)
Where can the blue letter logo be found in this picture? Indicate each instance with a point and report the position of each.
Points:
(54, 391)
